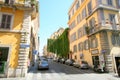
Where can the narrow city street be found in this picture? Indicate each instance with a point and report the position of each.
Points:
(58, 71)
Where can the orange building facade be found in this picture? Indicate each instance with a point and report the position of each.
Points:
(94, 32)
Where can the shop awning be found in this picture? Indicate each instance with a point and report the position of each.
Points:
(115, 51)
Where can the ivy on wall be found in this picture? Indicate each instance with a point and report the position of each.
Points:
(59, 46)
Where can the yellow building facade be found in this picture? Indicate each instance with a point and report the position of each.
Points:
(16, 17)
(94, 32)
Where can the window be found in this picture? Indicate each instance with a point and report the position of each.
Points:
(92, 24)
(89, 8)
(82, 1)
(94, 42)
(77, 5)
(84, 31)
(115, 39)
(9, 1)
(79, 33)
(78, 18)
(6, 21)
(118, 3)
(109, 2)
(69, 17)
(73, 12)
(86, 45)
(111, 17)
(74, 48)
(72, 25)
(83, 13)
(73, 37)
(80, 46)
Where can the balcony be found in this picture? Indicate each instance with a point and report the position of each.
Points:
(19, 4)
(102, 4)
(103, 25)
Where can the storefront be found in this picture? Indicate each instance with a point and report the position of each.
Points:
(115, 53)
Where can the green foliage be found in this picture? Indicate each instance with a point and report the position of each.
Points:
(60, 46)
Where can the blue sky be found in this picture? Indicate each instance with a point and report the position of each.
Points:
(53, 15)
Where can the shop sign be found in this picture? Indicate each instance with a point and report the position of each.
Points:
(94, 51)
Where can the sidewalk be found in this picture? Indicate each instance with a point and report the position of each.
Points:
(31, 70)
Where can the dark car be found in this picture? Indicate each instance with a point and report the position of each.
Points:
(84, 65)
(69, 62)
(43, 65)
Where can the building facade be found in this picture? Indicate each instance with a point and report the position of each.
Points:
(94, 32)
(17, 29)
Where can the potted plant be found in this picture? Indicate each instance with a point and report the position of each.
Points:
(33, 3)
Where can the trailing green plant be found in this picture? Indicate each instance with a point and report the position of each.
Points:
(87, 29)
(60, 46)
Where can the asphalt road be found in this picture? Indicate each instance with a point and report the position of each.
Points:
(58, 71)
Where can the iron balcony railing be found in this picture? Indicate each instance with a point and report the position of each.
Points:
(26, 3)
(104, 25)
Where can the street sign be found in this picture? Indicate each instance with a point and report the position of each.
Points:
(35, 52)
(24, 45)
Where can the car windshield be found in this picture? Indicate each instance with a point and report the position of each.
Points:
(44, 62)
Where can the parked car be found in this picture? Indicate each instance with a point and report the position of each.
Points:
(69, 62)
(63, 60)
(55, 59)
(84, 65)
(43, 64)
(58, 60)
(76, 64)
